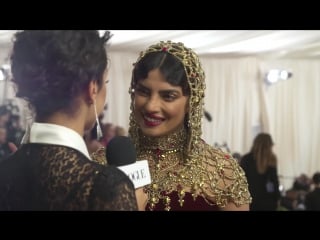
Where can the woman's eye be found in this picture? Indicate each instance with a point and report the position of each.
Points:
(142, 92)
(169, 97)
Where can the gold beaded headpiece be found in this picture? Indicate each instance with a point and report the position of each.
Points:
(196, 80)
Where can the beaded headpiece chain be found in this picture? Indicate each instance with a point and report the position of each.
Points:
(196, 81)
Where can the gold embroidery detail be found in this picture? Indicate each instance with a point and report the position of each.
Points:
(168, 173)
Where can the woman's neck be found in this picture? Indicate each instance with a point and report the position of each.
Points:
(62, 119)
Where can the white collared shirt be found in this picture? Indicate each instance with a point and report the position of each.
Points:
(57, 135)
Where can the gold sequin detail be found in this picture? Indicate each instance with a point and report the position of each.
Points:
(212, 175)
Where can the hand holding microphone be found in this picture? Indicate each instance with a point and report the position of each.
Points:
(121, 153)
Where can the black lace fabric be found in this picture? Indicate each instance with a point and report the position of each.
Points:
(47, 177)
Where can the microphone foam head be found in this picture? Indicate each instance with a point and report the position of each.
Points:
(121, 151)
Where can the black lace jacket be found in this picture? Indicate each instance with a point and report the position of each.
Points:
(49, 177)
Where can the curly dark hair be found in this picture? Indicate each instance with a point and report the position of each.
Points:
(52, 67)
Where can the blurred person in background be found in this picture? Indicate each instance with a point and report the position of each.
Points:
(5, 150)
(108, 132)
(312, 200)
(260, 167)
(120, 131)
(5, 115)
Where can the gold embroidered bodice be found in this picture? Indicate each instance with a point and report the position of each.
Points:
(212, 174)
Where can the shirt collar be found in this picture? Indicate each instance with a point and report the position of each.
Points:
(57, 135)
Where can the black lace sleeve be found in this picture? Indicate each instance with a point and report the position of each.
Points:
(112, 191)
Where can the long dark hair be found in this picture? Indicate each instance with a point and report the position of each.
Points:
(262, 152)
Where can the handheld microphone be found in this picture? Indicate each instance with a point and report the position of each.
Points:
(121, 153)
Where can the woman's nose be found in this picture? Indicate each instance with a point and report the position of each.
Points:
(152, 104)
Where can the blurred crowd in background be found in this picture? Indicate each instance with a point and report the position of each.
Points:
(11, 131)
